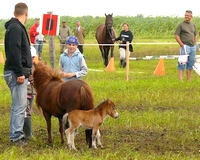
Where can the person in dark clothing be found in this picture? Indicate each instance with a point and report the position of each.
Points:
(31, 92)
(17, 70)
(125, 36)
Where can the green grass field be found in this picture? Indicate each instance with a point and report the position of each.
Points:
(159, 115)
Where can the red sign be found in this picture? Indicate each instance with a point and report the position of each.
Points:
(50, 24)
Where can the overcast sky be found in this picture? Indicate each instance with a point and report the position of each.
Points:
(100, 7)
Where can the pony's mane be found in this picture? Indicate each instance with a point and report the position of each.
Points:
(43, 74)
(105, 101)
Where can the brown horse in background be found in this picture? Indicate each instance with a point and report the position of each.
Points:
(104, 35)
(56, 97)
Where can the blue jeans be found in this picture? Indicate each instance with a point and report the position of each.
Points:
(39, 46)
(191, 50)
(19, 104)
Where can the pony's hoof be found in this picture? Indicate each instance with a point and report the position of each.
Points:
(94, 147)
(74, 149)
(69, 146)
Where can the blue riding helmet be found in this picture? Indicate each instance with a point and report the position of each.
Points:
(72, 40)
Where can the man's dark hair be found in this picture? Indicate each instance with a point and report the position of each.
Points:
(189, 11)
(20, 9)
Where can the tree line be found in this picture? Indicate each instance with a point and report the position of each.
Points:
(159, 27)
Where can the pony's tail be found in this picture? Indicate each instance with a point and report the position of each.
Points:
(87, 98)
(65, 122)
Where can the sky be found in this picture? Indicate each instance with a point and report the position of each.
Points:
(99, 7)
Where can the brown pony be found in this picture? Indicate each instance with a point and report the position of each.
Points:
(56, 97)
(104, 35)
(90, 119)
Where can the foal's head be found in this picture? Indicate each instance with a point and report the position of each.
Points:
(109, 108)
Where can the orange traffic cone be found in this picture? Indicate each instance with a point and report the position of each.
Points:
(160, 69)
(111, 65)
(1, 58)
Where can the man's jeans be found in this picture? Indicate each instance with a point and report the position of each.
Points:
(39, 46)
(19, 104)
(191, 50)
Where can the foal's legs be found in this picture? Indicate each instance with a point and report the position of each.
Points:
(94, 141)
(94, 137)
(98, 139)
(70, 132)
(72, 139)
(68, 136)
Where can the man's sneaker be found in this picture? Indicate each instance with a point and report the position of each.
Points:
(20, 142)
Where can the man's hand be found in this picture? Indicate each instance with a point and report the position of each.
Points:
(67, 75)
(20, 79)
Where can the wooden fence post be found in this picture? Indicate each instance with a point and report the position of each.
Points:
(127, 61)
(52, 52)
(52, 47)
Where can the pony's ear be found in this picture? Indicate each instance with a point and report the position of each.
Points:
(35, 64)
(39, 62)
(109, 102)
(45, 62)
(35, 60)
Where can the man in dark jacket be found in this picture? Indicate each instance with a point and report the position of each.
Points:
(17, 69)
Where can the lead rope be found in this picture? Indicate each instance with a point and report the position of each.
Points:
(110, 34)
(31, 90)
